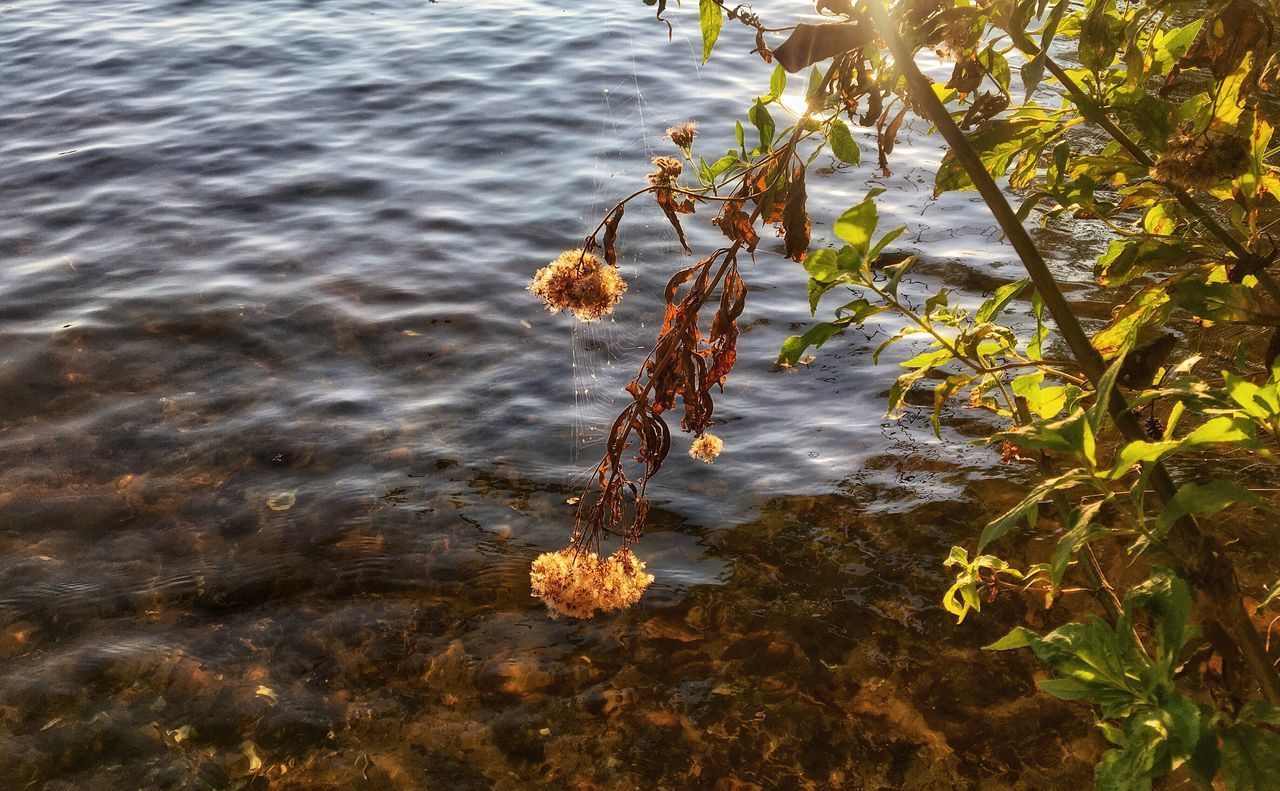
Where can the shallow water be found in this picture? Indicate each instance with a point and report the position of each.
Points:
(282, 429)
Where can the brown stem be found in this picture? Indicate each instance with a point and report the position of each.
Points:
(1209, 567)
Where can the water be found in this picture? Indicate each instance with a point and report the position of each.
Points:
(282, 429)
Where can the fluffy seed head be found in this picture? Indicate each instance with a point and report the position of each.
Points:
(668, 166)
(580, 283)
(682, 134)
(706, 448)
(1200, 161)
(579, 583)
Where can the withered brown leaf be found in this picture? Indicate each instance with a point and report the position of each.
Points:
(809, 44)
(986, 106)
(673, 208)
(611, 235)
(795, 219)
(735, 223)
(966, 76)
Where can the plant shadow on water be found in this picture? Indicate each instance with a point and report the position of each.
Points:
(398, 642)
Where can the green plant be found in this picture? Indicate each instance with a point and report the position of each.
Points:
(1185, 181)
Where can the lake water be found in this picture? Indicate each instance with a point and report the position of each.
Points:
(281, 428)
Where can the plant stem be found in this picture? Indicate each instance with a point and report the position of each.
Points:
(1210, 568)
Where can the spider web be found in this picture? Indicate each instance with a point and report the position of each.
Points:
(606, 352)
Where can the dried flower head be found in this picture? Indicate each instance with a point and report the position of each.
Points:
(682, 134)
(668, 166)
(706, 448)
(1200, 161)
(1153, 427)
(577, 583)
(579, 282)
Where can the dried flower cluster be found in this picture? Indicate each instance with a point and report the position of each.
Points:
(579, 282)
(1200, 161)
(706, 448)
(668, 169)
(577, 583)
(682, 135)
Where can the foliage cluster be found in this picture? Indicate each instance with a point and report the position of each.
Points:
(1151, 120)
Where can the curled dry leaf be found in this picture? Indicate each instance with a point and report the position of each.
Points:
(886, 137)
(736, 224)
(795, 219)
(985, 107)
(611, 235)
(673, 207)
(762, 48)
(966, 76)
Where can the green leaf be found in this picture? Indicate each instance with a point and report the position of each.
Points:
(1258, 402)
(795, 346)
(1101, 35)
(1098, 412)
(1017, 637)
(941, 394)
(901, 385)
(1168, 47)
(759, 115)
(884, 241)
(1250, 758)
(995, 65)
(1218, 431)
(842, 143)
(777, 82)
(822, 265)
(1139, 452)
(1044, 402)
(930, 358)
(1071, 435)
(998, 301)
(1033, 70)
(997, 142)
(1205, 500)
(1222, 431)
(1166, 597)
(1081, 530)
(858, 311)
(1273, 594)
(1126, 260)
(1259, 712)
(815, 80)
(1035, 346)
(1150, 306)
(858, 223)
(1024, 509)
(716, 169)
(1106, 664)
(1219, 301)
(711, 19)
(1066, 688)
